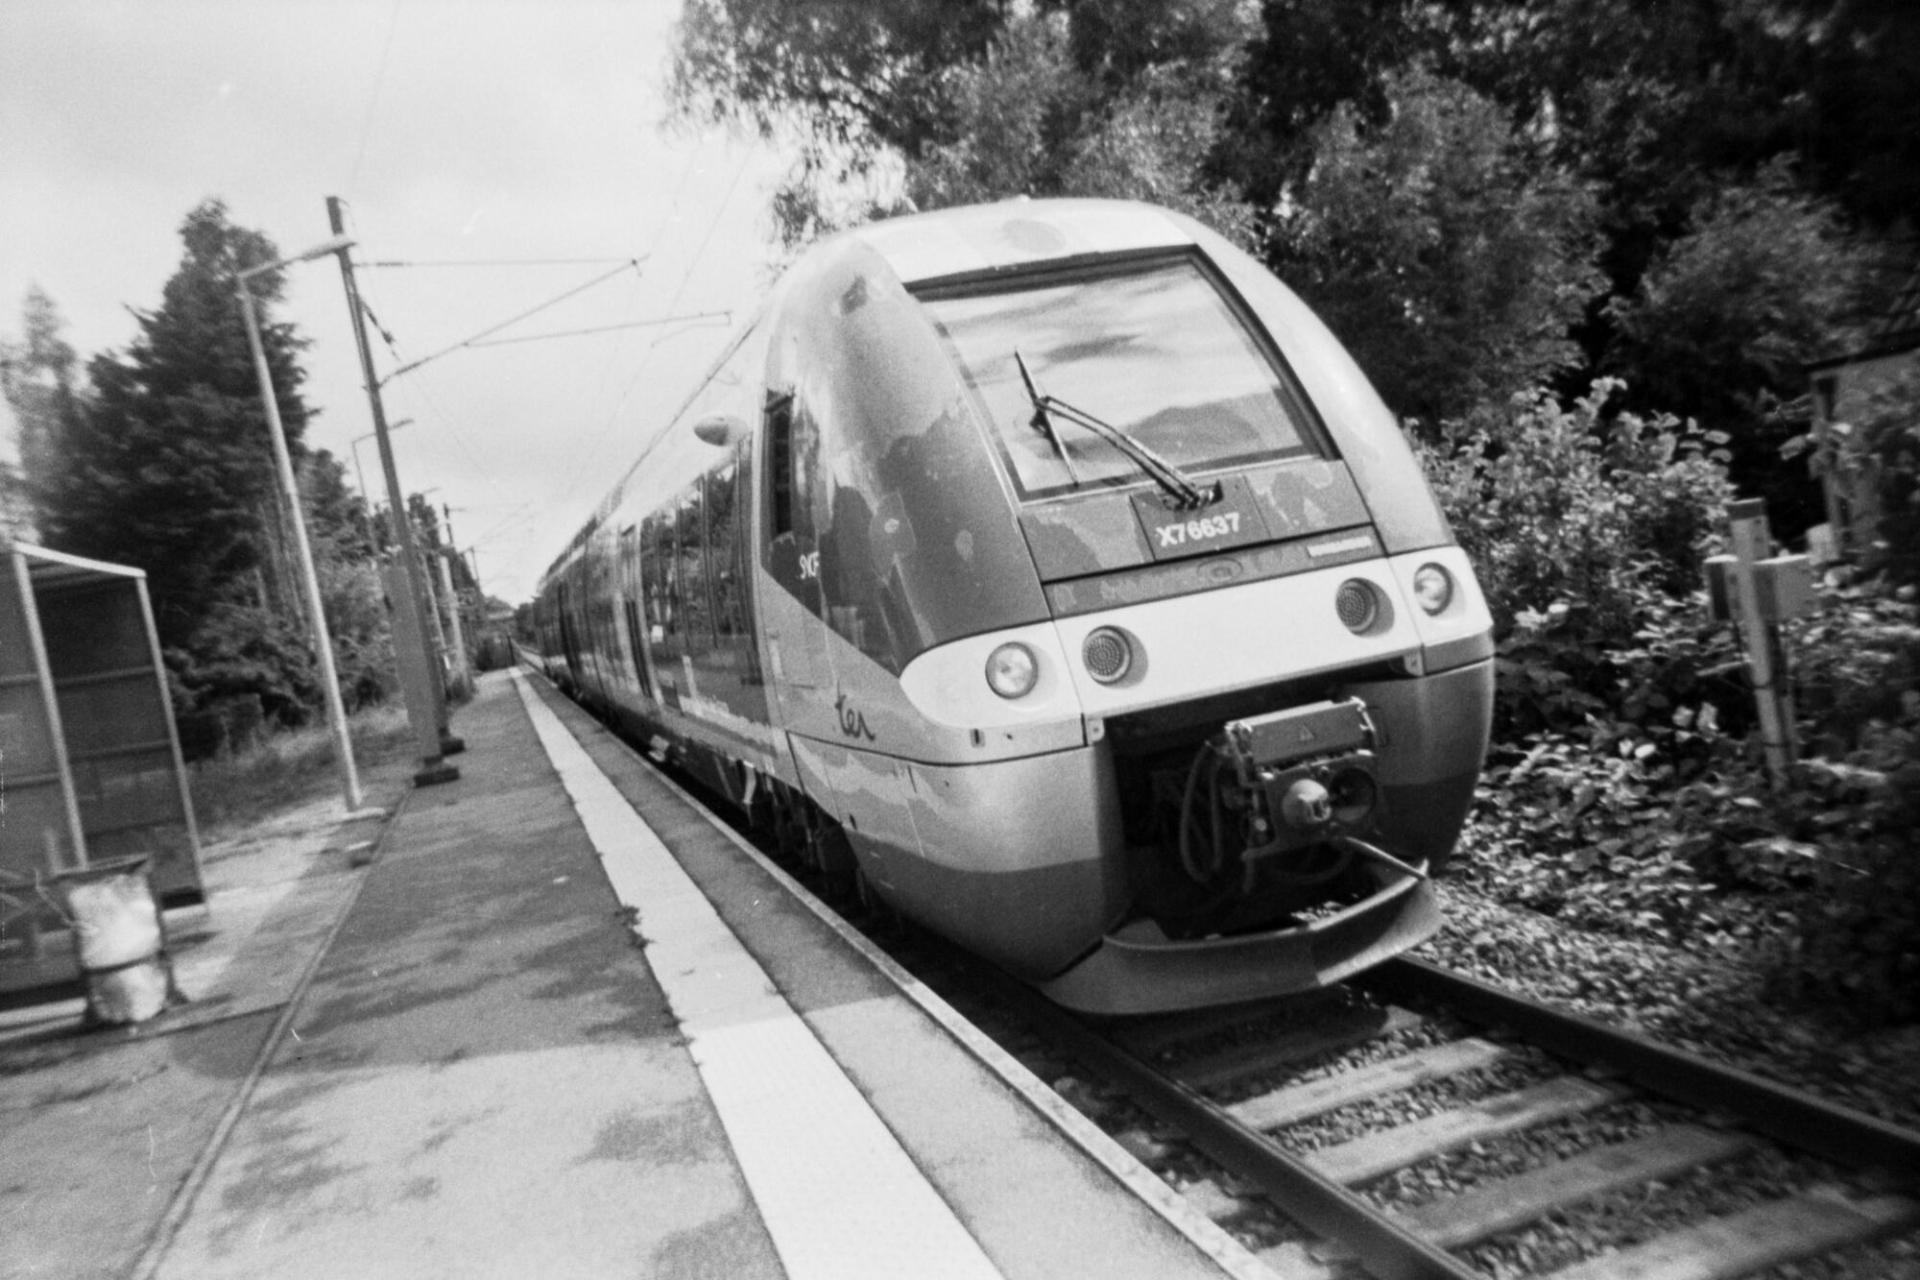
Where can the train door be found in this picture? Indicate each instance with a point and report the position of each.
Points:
(632, 591)
(727, 662)
(569, 642)
(659, 571)
(798, 664)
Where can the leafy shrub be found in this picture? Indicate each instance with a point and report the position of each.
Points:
(1624, 790)
(1584, 531)
(244, 651)
(352, 595)
(1853, 816)
(1889, 439)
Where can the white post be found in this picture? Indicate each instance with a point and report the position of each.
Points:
(322, 640)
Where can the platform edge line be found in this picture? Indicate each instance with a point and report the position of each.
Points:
(1201, 1231)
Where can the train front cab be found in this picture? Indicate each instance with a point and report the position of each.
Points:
(929, 524)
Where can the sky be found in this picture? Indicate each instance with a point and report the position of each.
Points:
(531, 136)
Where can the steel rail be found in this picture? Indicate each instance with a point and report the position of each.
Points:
(1385, 1248)
(1791, 1116)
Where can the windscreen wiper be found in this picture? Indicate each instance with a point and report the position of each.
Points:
(1186, 495)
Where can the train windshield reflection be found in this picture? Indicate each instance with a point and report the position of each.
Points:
(1156, 352)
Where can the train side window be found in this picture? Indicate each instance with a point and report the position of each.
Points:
(657, 574)
(696, 606)
(780, 463)
(723, 539)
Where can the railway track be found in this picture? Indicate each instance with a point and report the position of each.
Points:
(1418, 1123)
(1428, 1125)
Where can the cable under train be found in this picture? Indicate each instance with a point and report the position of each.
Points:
(1047, 571)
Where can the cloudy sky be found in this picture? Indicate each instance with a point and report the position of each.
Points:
(529, 135)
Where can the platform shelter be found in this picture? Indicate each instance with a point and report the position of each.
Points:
(90, 764)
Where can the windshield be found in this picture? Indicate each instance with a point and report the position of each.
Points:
(1156, 352)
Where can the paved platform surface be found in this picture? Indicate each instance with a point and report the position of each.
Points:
(562, 1025)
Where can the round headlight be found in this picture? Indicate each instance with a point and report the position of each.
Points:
(1012, 670)
(1108, 654)
(1433, 588)
(1358, 605)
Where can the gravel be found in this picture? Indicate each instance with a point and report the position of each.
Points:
(1709, 1004)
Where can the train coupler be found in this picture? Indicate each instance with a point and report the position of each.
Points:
(1306, 776)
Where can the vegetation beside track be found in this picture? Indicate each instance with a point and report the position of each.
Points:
(1625, 792)
(239, 789)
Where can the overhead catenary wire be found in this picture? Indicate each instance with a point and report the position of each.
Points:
(585, 465)
(497, 262)
(509, 323)
(373, 98)
(604, 328)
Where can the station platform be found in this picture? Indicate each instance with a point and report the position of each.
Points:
(566, 1024)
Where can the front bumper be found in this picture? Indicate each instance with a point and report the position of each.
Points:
(1139, 970)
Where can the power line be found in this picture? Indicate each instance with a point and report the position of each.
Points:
(501, 262)
(373, 99)
(723, 316)
(584, 465)
(531, 311)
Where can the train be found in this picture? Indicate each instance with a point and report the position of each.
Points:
(1047, 572)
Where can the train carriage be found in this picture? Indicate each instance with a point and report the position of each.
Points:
(1047, 569)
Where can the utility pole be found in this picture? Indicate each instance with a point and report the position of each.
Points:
(419, 678)
(290, 494)
(462, 668)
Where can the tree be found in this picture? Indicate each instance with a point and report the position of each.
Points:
(1766, 278)
(968, 101)
(1446, 253)
(1050, 110)
(167, 466)
(337, 518)
(37, 378)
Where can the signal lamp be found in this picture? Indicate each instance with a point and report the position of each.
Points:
(1012, 670)
(1433, 588)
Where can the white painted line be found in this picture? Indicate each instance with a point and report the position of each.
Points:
(838, 1194)
(1233, 1258)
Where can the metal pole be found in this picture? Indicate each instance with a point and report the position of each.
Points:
(366, 507)
(366, 498)
(460, 670)
(448, 555)
(424, 706)
(322, 641)
(56, 732)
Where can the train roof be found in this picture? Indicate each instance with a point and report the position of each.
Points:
(982, 239)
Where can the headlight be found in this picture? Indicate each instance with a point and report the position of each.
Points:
(1433, 588)
(1012, 670)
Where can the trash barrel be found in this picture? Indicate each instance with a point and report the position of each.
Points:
(121, 940)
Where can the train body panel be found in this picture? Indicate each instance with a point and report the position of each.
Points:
(1053, 561)
(1003, 854)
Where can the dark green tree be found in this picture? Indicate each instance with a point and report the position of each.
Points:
(1766, 278)
(1083, 102)
(1446, 252)
(977, 100)
(168, 467)
(336, 515)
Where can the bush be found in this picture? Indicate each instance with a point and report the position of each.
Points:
(1889, 440)
(1584, 532)
(1852, 821)
(1624, 790)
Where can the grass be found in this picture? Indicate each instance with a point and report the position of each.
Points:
(288, 768)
